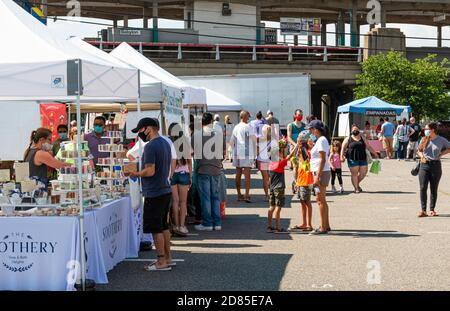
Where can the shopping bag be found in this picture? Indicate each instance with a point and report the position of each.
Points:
(135, 193)
(375, 167)
(395, 144)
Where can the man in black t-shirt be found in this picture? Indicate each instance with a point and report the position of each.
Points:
(413, 139)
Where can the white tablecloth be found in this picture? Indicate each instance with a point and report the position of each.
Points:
(42, 253)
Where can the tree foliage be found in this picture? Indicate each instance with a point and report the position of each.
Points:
(421, 84)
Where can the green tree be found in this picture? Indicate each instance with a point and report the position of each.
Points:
(421, 84)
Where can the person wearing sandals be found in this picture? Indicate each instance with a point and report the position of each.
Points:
(354, 148)
(243, 142)
(181, 180)
(431, 149)
(277, 185)
(305, 181)
(263, 158)
(156, 163)
(321, 172)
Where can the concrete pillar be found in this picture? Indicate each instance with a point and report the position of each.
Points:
(354, 30)
(125, 21)
(439, 36)
(323, 33)
(341, 29)
(115, 23)
(258, 23)
(336, 27)
(155, 21)
(145, 17)
(189, 14)
(383, 16)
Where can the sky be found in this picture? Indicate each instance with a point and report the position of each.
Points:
(66, 29)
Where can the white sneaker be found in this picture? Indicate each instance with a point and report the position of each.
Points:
(218, 228)
(333, 188)
(184, 230)
(203, 228)
(341, 190)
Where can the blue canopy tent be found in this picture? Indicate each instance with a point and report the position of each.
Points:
(371, 106)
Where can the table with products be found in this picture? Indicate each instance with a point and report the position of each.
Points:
(43, 252)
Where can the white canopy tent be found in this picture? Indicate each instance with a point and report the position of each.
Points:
(36, 66)
(152, 90)
(192, 96)
(217, 102)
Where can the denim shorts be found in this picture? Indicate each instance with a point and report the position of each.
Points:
(354, 163)
(180, 178)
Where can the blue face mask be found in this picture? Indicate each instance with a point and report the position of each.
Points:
(98, 129)
(313, 137)
(62, 136)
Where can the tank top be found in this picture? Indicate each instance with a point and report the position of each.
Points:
(356, 150)
(35, 170)
(296, 130)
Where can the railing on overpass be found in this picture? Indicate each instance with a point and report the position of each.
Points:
(224, 52)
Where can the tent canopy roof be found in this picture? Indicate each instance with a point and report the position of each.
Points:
(218, 102)
(192, 95)
(371, 103)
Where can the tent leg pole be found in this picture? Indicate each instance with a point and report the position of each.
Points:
(335, 122)
(163, 121)
(80, 186)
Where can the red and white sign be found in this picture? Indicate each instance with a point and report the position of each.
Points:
(53, 115)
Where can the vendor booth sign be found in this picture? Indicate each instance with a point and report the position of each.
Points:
(375, 113)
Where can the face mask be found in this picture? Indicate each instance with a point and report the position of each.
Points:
(299, 118)
(47, 146)
(428, 133)
(313, 137)
(355, 133)
(62, 136)
(143, 136)
(98, 129)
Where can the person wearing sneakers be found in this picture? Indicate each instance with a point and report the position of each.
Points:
(305, 181)
(209, 169)
(277, 185)
(156, 163)
(293, 130)
(432, 148)
(336, 166)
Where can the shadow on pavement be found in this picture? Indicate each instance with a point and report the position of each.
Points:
(214, 245)
(371, 233)
(203, 271)
(241, 227)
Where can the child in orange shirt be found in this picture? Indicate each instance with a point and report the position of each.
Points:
(305, 181)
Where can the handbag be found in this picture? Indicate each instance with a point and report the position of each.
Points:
(415, 169)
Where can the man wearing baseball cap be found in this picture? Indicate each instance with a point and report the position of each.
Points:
(156, 163)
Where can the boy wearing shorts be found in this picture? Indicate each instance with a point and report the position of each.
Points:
(277, 187)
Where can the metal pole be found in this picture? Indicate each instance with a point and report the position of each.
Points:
(140, 117)
(334, 127)
(68, 117)
(80, 184)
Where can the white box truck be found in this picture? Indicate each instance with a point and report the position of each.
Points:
(282, 92)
